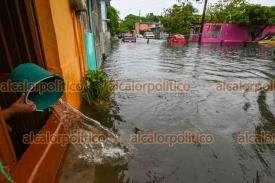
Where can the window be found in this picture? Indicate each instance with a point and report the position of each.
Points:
(213, 31)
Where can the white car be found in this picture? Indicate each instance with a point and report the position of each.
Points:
(149, 35)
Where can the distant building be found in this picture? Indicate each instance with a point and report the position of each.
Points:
(142, 27)
(221, 32)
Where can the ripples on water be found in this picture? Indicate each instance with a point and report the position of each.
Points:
(203, 109)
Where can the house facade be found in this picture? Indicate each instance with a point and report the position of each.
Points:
(105, 31)
(221, 33)
(63, 37)
(142, 27)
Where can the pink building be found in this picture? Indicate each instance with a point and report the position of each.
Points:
(269, 30)
(222, 33)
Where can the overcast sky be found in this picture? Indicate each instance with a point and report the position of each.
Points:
(126, 7)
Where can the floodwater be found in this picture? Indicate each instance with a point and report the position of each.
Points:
(203, 109)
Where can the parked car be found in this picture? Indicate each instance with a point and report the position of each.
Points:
(149, 35)
(120, 35)
(129, 38)
(177, 39)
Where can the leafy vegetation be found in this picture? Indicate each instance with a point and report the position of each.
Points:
(128, 24)
(151, 17)
(113, 15)
(177, 19)
(96, 86)
(255, 17)
(180, 18)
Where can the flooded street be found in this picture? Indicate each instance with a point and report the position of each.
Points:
(204, 109)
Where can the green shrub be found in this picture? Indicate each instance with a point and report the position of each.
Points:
(97, 87)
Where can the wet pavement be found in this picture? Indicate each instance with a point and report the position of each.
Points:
(203, 109)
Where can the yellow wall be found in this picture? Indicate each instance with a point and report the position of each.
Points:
(63, 43)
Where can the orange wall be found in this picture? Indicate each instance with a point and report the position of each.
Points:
(63, 43)
(143, 27)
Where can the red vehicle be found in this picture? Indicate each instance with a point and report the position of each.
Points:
(177, 39)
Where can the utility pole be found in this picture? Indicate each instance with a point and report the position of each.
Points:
(139, 14)
(203, 20)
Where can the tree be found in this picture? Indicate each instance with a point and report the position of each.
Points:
(197, 19)
(112, 14)
(257, 17)
(123, 28)
(128, 23)
(179, 18)
(226, 11)
(150, 17)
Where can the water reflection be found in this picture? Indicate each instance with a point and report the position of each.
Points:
(266, 127)
(116, 175)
